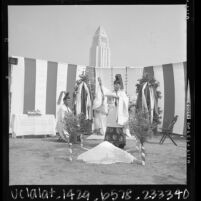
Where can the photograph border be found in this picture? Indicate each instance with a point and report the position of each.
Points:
(95, 190)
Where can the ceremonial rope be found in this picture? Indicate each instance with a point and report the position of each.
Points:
(143, 154)
(70, 151)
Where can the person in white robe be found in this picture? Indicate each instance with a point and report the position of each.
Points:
(100, 108)
(118, 116)
(62, 110)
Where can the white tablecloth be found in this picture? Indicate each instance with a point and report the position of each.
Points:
(23, 124)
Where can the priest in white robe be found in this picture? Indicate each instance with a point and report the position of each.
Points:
(100, 108)
(117, 119)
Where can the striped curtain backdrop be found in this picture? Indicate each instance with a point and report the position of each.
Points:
(36, 84)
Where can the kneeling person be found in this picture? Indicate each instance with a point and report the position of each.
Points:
(62, 111)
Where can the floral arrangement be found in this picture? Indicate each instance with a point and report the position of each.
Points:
(157, 95)
(83, 78)
(85, 125)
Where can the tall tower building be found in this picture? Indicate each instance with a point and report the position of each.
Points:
(100, 50)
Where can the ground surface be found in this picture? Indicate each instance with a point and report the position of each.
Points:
(44, 161)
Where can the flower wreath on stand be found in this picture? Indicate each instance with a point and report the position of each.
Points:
(85, 125)
(144, 115)
(147, 100)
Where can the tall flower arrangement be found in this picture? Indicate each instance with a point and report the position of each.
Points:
(147, 99)
(144, 115)
(85, 125)
(83, 78)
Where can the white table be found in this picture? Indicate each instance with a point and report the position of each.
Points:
(22, 124)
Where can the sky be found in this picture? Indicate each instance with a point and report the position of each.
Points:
(139, 35)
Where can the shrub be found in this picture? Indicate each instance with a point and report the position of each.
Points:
(140, 126)
(77, 124)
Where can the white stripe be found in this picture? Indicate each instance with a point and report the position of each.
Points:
(61, 80)
(179, 79)
(158, 74)
(105, 75)
(17, 87)
(133, 75)
(41, 85)
(17, 90)
(80, 70)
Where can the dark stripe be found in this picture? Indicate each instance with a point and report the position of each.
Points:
(29, 84)
(185, 83)
(51, 87)
(169, 94)
(149, 70)
(71, 79)
(83, 100)
(91, 73)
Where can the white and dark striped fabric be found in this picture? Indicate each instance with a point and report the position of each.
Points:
(36, 84)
